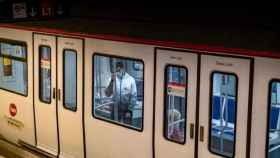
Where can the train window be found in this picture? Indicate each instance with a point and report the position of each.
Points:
(13, 68)
(273, 133)
(15, 51)
(118, 90)
(70, 79)
(223, 114)
(45, 74)
(175, 103)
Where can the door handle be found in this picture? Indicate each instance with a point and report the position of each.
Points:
(201, 133)
(191, 130)
(54, 93)
(58, 94)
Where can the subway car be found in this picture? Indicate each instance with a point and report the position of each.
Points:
(74, 93)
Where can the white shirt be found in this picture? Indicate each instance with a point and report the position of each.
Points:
(125, 91)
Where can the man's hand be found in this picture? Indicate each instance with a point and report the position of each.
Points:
(113, 76)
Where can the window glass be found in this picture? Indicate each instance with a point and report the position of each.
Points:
(45, 74)
(13, 68)
(175, 103)
(13, 50)
(274, 121)
(223, 114)
(118, 90)
(70, 80)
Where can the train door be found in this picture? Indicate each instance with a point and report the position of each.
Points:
(45, 92)
(175, 106)
(70, 97)
(223, 108)
(118, 99)
(265, 138)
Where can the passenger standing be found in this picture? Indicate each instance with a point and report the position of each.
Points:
(123, 89)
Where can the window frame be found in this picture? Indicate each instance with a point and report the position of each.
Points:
(23, 60)
(40, 88)
(165, 104)
(63, 67)
(93, 92)
(269, 114)
(210, 111)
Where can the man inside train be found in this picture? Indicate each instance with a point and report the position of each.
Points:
(122, 87)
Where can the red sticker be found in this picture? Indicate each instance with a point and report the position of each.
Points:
(13, 110)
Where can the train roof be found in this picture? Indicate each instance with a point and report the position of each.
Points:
(207, 38)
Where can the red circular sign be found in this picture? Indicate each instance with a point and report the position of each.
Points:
(13, 110)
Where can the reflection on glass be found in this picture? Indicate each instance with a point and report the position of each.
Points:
(223, 112)
(13, 68)
(175, 103)
(118, 90)
(70, 80)
(274, 121)
(45, 74)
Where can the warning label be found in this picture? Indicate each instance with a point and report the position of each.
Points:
(176, 89)
(45, 64)
(14, 123)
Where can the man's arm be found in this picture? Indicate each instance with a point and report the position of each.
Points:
(109, 90)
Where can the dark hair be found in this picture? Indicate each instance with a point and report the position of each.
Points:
(120, 64)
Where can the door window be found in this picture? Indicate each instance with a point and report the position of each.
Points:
(175, 103)
(273, 138)
(45, 74)
(70, 79)
(223, 114)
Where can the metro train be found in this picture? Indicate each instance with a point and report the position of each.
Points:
(71, 94)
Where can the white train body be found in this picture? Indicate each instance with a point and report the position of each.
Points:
(53, 99)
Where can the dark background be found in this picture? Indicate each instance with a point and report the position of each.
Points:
(233, 27)
(266, 18)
